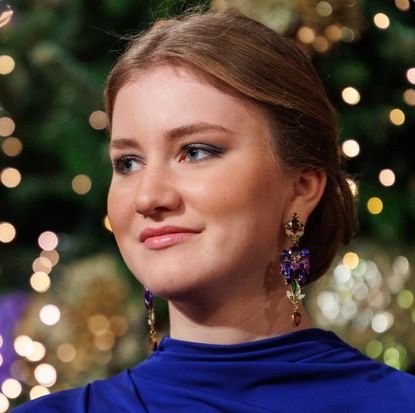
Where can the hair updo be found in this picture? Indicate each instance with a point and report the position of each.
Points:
(243, 57)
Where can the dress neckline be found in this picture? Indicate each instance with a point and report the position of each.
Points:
(290, 346)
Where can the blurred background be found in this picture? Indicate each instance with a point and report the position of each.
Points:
(70, 312)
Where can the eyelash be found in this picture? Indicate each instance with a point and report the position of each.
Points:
(119, 164)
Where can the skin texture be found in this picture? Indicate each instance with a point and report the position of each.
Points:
(223, 283)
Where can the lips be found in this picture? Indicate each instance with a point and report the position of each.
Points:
(157, 232)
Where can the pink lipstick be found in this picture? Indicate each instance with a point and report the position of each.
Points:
(157, 238)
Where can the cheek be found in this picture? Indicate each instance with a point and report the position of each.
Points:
(119, 204)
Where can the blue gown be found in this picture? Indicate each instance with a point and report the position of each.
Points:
(310, 370)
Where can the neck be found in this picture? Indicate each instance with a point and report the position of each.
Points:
(238, 318)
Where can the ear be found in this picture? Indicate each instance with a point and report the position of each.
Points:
(308, 187)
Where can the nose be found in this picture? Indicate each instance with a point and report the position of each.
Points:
(156, 191)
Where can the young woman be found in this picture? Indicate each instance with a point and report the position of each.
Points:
(228, 197)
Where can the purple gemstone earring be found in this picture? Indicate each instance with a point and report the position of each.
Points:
(151, 318)
(295, 265)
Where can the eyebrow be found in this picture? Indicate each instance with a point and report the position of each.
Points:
(179, 132)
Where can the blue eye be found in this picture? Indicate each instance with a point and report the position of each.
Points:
(126, 164)
(194, 153)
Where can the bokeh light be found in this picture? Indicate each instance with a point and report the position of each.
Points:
(23, 345)
(306, 34)
(98, 120)
(45, 374)
(324, 8)
(52, 256)
(12, 146)
(7, 64)
(387, 177)
(374, 348)
(351, 95)
(351, 148)
(7, 232)
(40, 281)
(347, 34)
(38, 391)
(375, 205)
(381, 21)
(7, 126)
(48, 240)
(409, 97)
(405, 299)
(10, 177)
(333, 33)
(351, 260)
(321, 44)
(410, 75)
(402, 5)
(38, 352)
(81, 184)
(11, 388)
(382, 322)
(42, 264)
(50, 315)
(66, 352)
(397, 117)
(4, 403)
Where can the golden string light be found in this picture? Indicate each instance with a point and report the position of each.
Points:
(12, 146)
(7, 126)
(409, 97)
(52, 256)
(49, 314)
(402, 5)
(38, 391)
(45, 374)
(7, 232)
(351, 260)
(7, 64)
(40, 281)
(410, 75)
(375, 205)
(81, 184)
(381, 21)
(11, 388)
(10, 177)
(98, 120)
(397, 117)
(351, 95)
(306, 34)
(351, 148)
(387, 177)
(4, 403)
(66, 352)
(48, 240)
(42, 264)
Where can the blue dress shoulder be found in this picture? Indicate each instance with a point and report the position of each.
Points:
(310, 370)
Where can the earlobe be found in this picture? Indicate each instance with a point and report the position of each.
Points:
(308, 188)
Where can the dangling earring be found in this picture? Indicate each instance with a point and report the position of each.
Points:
(295, 265)
(151, 318)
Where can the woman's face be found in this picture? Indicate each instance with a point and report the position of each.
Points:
(197, 199)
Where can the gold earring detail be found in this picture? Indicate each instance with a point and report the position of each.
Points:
(295, 265)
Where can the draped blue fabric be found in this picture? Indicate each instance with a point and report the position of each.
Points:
(310, 370)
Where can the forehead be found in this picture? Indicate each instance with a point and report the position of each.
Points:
(172, 95)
